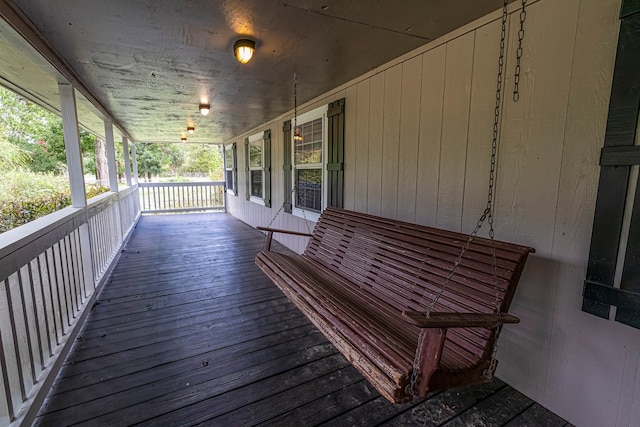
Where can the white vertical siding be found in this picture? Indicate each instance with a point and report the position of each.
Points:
(530, 161)
(390, 140)
(409, 138)
(350, 159)
(431, 111)
(374, 177)
(363, 102)
(418, 140)
(455, 127)
(481, 119)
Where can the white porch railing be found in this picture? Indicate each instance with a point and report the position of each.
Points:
(160, 197)
(50, 270)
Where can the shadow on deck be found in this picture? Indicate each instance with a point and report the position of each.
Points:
(188, 331)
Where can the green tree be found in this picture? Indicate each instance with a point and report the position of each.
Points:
(22, 120)
(38, 134)
(205, 159)
(173, 157)
(12, 157)
(150, 160)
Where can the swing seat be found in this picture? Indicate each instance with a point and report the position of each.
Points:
(367, 282)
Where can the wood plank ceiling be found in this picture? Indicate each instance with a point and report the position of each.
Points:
(151, 62)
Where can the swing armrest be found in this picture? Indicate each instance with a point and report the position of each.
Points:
(457, 320)
(270, 231)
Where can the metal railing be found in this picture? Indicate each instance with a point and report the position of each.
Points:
(50, 270)
(163, 197)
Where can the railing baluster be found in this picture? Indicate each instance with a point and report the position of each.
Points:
(74, 268)
(64, 283)
(55, 297)
(16, 345)
(67, 279)
(36, 314)
(47, 306)
(5, 379)
(181, 197)
(73, 279)
(78, 256)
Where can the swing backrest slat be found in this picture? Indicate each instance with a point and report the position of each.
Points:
(405, 265)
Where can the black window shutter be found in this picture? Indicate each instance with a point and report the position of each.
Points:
(618, 154)
(247, 172)
(335, 154)
(235, 169)
(629, 7)
(266, 159)
(286, 130)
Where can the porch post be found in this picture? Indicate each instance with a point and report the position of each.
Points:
(134, 162)
(127, 164)
(111, 156)
(72, 144)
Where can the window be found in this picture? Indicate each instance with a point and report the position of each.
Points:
(308, 151)
(258, 168)
(230, 169)
(314, 162)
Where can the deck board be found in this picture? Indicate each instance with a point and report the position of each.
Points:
(188, 331)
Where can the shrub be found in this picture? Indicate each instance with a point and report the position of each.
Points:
(26, 196)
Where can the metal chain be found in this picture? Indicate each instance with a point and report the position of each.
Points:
(286, 202)
(417, 361)
(295, 102)
(487, 215)
(516, 77)
(295, 127)
(296, 133)
(491, 369)
(306, 221)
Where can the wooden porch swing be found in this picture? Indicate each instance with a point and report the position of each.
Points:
(415, 309)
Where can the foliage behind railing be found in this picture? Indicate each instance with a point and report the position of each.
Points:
(26, 196)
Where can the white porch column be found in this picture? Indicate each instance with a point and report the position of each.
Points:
(134, 162)
(127, 164)
(72, 144)
(111, 156)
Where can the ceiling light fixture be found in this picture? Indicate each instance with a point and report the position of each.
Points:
(191, 130)
(243, 50)
(204, 109)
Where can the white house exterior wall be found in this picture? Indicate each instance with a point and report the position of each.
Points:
(417, 144)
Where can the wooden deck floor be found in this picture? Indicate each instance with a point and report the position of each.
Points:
(188, 331)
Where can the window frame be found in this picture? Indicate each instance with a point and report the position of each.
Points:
(251, 140)
(320, 112)
(231, 167)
